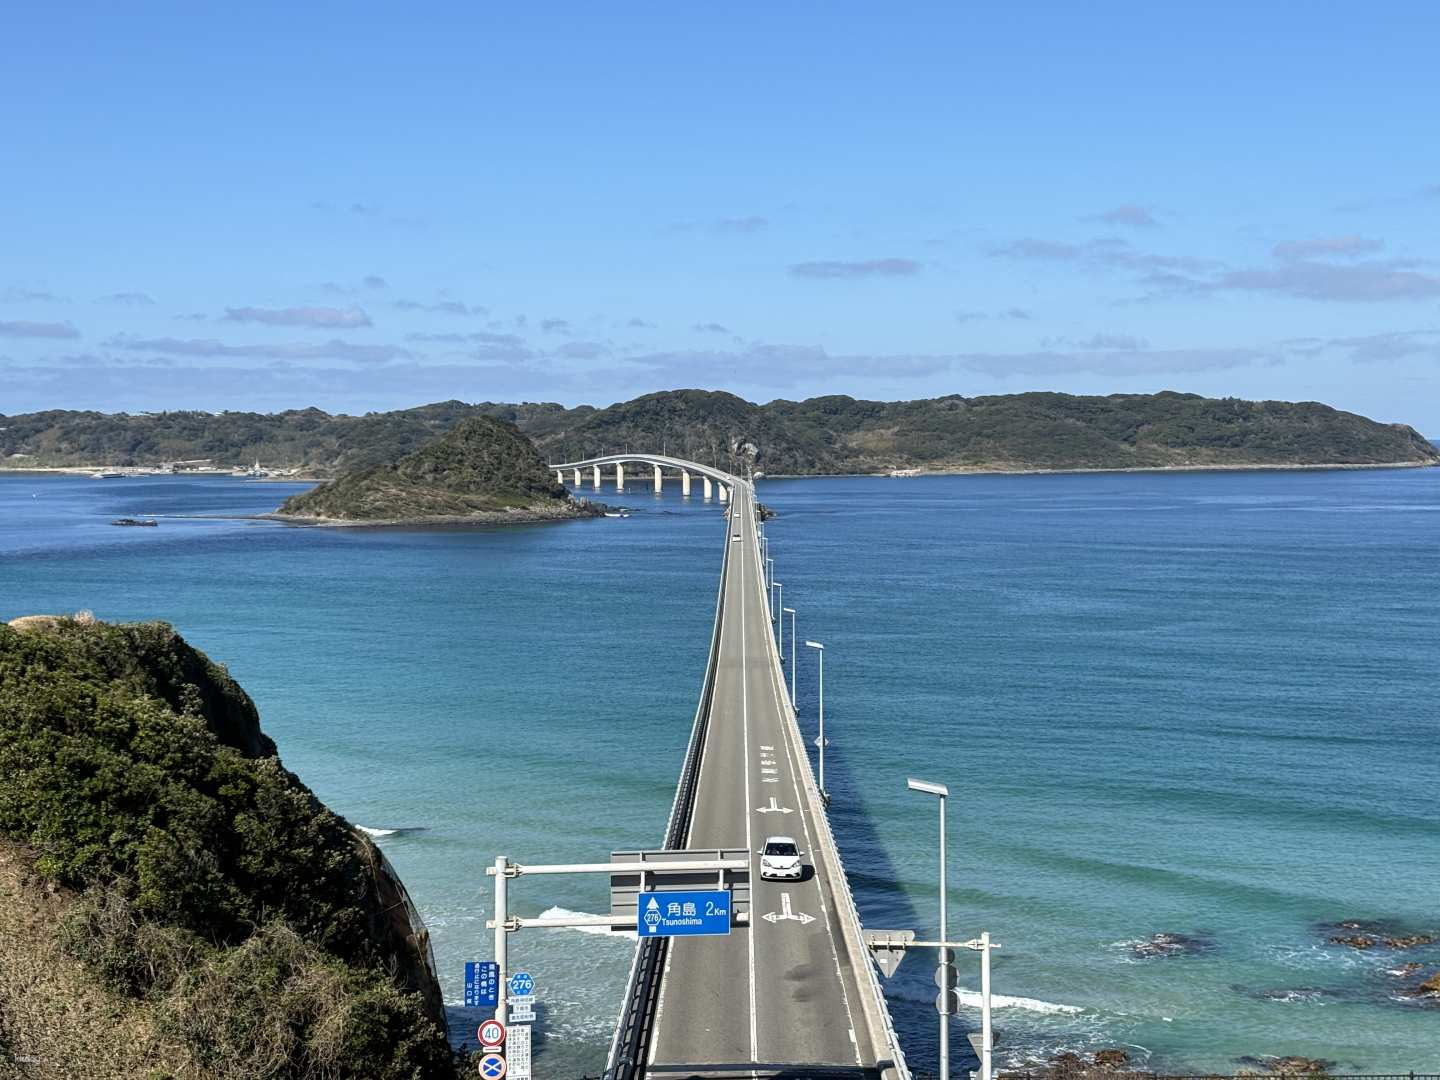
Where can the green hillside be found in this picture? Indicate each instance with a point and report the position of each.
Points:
(818, 435)
(174, 902)
(481, 466)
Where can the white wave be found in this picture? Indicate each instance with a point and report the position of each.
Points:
(1002, 1001)
(600, 931)
(376, 832)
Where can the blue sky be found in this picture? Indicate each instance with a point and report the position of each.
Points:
(358, 207)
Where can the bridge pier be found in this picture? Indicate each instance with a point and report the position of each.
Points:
(619, 477)
(559, 477)
(657, 480)
(724, 494)
(684, 483)
(577, 478)
(707, 487)
(596, 477)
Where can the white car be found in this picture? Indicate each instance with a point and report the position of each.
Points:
(735, 538)
(780, 859)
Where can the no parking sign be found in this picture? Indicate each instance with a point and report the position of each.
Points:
(492, 1067)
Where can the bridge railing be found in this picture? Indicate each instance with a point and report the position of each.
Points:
(630, 1048)
(879, 1018)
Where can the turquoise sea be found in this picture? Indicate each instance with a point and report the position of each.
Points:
(1201, 704)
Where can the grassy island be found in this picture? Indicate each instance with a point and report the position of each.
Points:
(481, 471)
(174, 904)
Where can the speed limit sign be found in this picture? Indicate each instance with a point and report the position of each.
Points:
(492, 1034)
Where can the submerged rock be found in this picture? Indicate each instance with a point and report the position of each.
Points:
(1366, 934)
(1112, 1058)
(1296, 1064)
(1430, 987)
(1378, 941)
(1171, 944)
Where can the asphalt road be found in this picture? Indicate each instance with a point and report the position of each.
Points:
(782, 991)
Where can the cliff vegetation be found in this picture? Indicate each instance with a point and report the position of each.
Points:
(175, 903)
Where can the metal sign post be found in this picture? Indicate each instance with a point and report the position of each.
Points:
(888, 947)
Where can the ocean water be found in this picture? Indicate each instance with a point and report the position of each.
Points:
(1199, 704)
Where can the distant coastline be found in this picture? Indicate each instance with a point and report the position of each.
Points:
(899, 474)
(481, 519)
(969, 470)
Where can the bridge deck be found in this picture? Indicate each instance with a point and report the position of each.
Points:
(785, 992)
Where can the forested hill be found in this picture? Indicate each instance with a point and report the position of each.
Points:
(819, 435)
(480, 467)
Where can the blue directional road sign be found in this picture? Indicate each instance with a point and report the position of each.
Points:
(684, 914)
(521, 984)
(482, 984)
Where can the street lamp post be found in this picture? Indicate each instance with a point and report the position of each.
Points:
(791, 610)
(820, 742)
(942, 791)
(770, 577)
(778, 587)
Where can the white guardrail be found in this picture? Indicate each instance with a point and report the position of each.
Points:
(876, 1011)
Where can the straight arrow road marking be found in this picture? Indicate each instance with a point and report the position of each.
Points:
(773, 808)
(785, 913)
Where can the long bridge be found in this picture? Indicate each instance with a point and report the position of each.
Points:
(793, 992)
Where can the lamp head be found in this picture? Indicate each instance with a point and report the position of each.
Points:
(928, 788)
(815, 645)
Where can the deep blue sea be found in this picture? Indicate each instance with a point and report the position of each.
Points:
(1197, 703)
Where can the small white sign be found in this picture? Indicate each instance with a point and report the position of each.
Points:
(522, 1009)
(517, 1053)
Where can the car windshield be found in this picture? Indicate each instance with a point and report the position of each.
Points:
(780, 849)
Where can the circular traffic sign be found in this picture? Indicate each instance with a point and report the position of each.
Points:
(492, 1033)
(492, 1067)
(521, 984)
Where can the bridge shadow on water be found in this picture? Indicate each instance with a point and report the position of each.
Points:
(910, 993)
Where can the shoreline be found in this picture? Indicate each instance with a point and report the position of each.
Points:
(982, 470)
(131, 473)
(483, 519)
(893, 474)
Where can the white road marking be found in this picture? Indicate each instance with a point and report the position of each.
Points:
(773, 808)
(791, 730)
(749, 839)
(785, 913)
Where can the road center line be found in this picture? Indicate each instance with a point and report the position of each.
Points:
(749, 839)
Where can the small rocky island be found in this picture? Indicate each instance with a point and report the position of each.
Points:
(482, 471)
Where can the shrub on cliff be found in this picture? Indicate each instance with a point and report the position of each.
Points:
(213, 883)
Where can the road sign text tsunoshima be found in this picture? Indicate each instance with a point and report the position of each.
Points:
(684, 914)
(482, 984)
